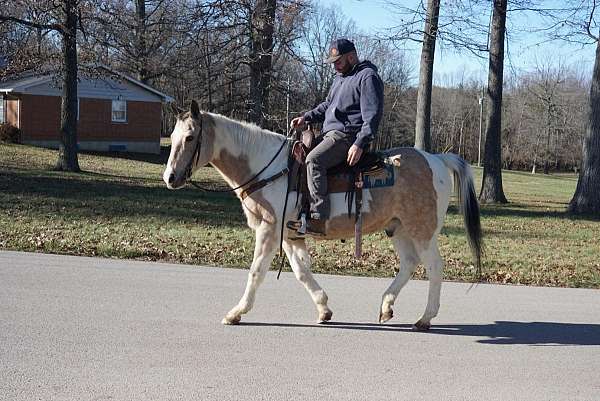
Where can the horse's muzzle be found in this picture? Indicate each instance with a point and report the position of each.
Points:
(170, 178)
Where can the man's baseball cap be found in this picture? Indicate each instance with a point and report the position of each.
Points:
(338, 48)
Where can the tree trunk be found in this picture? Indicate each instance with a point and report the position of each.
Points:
(261, 54)
(586, 199)
(491, 188)
(423, 122)
(67, 154)
(548, 130)
(208, 71)
(142, 51)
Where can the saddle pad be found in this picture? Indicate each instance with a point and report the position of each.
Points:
(344, 182)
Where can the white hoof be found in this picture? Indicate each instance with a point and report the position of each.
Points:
(384, 317)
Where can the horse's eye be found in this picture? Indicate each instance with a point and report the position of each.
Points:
(189, 138)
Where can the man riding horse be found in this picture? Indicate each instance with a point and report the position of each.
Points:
(350, 115)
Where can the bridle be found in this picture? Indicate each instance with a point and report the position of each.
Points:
(196, 156)
(254, 186)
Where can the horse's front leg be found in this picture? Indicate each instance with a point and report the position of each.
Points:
(264, 251)
(300, 261)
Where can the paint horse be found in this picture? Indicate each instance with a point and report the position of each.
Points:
(411, 212)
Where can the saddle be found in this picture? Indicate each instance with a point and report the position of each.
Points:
(340, 179)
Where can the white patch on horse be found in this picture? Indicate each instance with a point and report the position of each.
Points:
(240, 150)
(339, 204)
(442, 182)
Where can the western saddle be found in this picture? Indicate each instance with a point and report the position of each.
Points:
(340, 179)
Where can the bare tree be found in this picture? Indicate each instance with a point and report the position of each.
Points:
(455, 117)
(261, 56)
(139, 37)
(62, 17)
(575, 21)
(546, 87)
(491, 188)
(423, 122)
(458, 25)
(586, 199)
(321, 26)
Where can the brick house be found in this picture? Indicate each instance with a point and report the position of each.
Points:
(115, 112)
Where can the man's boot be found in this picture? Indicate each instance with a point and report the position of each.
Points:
(314, 227)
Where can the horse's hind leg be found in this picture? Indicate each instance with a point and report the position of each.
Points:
(300, 261)
(408, 261)
(264, 251)
(433, 263)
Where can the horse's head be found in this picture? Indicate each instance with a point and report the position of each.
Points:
(187, 153)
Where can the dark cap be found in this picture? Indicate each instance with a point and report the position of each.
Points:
(338, 48)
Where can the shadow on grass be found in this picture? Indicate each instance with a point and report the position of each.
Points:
(525, 211)
(516, 233)
(88, 195)
(141, 157)
(498, 333)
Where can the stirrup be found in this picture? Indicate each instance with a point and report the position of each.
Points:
(298, 226)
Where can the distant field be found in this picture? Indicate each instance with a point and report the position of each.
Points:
(120, 208)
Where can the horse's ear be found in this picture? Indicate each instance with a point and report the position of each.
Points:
(194, 110)
(175, 110)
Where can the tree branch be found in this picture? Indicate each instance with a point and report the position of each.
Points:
(54, 27)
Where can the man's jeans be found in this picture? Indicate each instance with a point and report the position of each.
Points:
(332, 151)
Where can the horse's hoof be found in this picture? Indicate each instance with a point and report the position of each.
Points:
(421, 326)
(384, 317)
(231, 321)
(324, 317)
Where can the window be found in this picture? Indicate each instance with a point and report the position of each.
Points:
(2, 119)
(77, 109)
(119, 111)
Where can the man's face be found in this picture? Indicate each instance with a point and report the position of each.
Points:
(342, 65)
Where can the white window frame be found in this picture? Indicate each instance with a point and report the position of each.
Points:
(2, 110)
(113, 110)
(77, 109)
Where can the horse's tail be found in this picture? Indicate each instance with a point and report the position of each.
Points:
(469, 207)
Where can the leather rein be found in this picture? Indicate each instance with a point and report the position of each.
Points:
(245, 192)
(252, 187)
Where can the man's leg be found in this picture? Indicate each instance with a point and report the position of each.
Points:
(332, 151)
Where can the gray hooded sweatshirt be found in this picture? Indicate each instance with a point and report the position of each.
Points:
(354, 104)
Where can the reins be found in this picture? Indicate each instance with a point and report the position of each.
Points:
(194, 160)
(196, 156)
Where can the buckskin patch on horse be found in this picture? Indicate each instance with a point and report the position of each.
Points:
(411, 211)
(413, 186)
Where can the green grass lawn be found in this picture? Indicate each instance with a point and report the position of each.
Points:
(120, 208)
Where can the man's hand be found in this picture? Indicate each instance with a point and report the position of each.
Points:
(296, 122)
(354, 155)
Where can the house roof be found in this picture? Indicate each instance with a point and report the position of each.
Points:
(22, 83)
(167, 98)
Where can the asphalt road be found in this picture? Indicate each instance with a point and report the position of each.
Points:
(74, 328)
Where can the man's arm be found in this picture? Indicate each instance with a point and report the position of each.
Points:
(371, 108)
(317, 115)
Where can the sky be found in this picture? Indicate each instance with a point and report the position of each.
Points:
(524, 51)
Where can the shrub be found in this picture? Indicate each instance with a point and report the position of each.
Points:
(9, 133)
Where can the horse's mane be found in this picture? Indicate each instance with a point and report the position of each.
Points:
(247, 134)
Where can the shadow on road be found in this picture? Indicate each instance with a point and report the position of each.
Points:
(500, 332)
